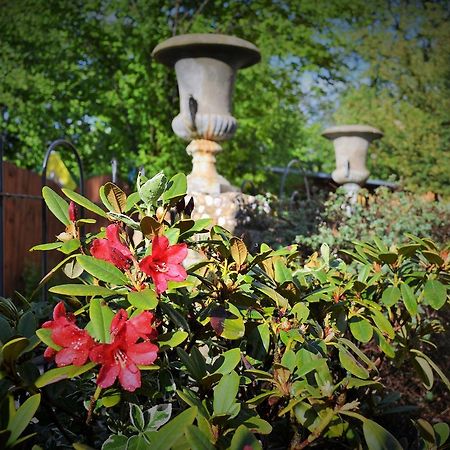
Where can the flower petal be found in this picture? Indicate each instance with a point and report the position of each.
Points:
(107, 375)
(160, 245)
(176, 272)
(66, 356)
(130, 377)
(143, 353)
(119, 321)
(112, 233)
(146, 265)
(160, 281)
(100, 250)
(176, 254)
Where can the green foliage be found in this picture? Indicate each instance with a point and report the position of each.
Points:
(264, 350)
(84, 70)
(403, 90)
(388, 214)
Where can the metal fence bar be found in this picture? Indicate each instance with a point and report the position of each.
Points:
(2, 238)
(50, 149)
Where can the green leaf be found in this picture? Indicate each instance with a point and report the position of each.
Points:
(352, 365)
(132, 199)
(228, 360)
(84, 202)
(225, 393)
(388, 258)
(197, 440)
(272, 294)
(49, 246)
(361, 329)
(383, 323)
(102, 270)
(72, 269)
(82, 290)
(27, 324)
(151, 190)
(409, 299)
(391, 295)
(159, 415)
(442, 431)
(176, 188)
(171, 340)
(243, 438)
(12, 350)
(70, 246)
(101, 317)
(62, 373)
(57, 205)
(5, 330)
(169, 434)
(20, 420)
(378, 438)
(282, 273)
(138, 442)
(137, 417)
(435, 294)
(115, 442)
(436, 368)
(146, 299)
(424, 371)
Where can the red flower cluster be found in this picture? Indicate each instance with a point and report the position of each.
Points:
(75, 342)
(120, 358)
(164, 263)
(112, 249)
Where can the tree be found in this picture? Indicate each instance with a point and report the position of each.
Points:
(83, 69)
(405, 91)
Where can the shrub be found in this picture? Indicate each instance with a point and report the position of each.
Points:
(339, 222)
(241, 351)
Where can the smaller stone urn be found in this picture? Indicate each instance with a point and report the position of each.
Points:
(206, 66)
(350, 145)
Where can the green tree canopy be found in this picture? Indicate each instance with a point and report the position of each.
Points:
(405, 90)
(83, 69)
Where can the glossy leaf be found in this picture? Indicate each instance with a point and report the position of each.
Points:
(56, 204)
(151, 189)
(409, 299)
(361, 329)
(169, 434)
(244, 439)
(176, 188)
(20, 420)
(352, 365)
(197, 440)
(435, 294)
(391, 295)
(84, 202)
(225, 393)
(62, 373)
(238, 251)
(102, 270)
(82, 290)
(378, 438)
(146, 299)
(101, 317)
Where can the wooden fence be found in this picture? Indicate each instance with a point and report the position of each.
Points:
(23, 225)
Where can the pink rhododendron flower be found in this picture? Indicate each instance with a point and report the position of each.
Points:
(164, 263)
(75, 342)
(112, 249)
(121, 357)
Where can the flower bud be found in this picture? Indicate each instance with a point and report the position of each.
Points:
(73, 211)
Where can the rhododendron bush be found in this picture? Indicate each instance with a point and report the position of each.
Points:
(167, 333)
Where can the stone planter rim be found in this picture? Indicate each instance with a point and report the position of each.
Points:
(364, 131)
(231, 49)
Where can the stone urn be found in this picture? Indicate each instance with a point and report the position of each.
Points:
(206, 67)
(350, 145)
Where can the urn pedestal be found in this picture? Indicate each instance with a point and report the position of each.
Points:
(206, 67)
(351, 143)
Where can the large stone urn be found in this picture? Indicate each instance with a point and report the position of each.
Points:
(351, 143)
(206, 66)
